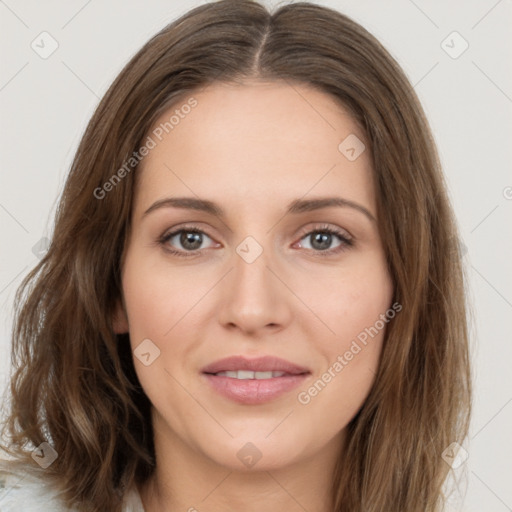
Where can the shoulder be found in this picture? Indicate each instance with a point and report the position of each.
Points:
(25, 488)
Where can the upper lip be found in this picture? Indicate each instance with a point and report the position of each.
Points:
(259, 364)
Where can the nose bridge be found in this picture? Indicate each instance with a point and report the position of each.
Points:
(251, 267)
(252, 278)
(254, 298)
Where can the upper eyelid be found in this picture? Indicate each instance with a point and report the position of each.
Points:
(322, 227)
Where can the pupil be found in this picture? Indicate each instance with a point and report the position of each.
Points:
(191, 241)
(324, 240)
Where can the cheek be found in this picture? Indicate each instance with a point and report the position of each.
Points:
(162, 304)
(355, 309)
(156, 297)
(351, 300)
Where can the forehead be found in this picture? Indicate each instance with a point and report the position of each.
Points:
(259, 140)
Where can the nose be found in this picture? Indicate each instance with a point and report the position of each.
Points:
(255, 298)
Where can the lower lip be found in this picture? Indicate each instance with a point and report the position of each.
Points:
(254, 391)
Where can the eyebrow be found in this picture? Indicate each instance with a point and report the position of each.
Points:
(295, 207)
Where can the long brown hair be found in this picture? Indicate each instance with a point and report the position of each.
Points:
(74, 384)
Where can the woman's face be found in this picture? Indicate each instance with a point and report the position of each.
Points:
(262, 279)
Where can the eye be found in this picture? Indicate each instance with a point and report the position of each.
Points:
(322, 237)
(190, 239)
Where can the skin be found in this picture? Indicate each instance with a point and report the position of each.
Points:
(253, 148)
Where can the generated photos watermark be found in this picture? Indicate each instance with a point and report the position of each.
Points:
(150, 143)
(357, 345)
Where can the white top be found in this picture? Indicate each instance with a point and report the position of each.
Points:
(29, 491)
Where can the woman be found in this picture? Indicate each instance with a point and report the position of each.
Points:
(253, 298)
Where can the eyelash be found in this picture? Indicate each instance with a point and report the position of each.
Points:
(346, 242)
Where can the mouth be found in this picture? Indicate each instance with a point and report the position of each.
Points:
(254, 381)
(247, 374)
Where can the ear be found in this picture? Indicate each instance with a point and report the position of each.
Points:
(120, 319)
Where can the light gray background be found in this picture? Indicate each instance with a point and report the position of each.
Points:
(46, 103)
